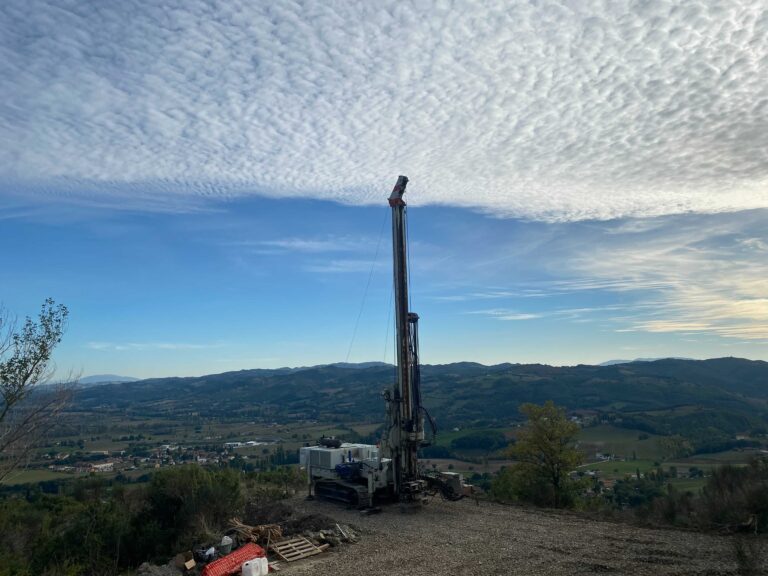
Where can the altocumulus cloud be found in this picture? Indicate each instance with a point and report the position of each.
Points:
(546, 110)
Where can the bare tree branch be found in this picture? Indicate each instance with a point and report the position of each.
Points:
(28, 407)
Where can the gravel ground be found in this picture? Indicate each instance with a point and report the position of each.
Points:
(462, 538)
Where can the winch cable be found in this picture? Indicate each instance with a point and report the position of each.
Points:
(389, 320)
(367, 286)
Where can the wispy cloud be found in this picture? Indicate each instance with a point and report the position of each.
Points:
(572, 314)
(308, 245)
(495, 295)
(550, 110)
(502, 314)
(343, 266)
(691, 275)
(687, 274)
(123, 346)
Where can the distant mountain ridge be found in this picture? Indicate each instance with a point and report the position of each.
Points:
(105, 379)
(458, 394)
(612, 362)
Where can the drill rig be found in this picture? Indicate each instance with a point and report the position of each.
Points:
(364, 474)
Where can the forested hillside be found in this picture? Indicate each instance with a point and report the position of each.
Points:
(703, 400)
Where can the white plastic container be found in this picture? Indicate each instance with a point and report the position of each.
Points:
(226, 546)
(256, 567)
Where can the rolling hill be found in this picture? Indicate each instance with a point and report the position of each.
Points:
(705, 400)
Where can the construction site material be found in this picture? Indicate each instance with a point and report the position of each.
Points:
(295, 549)
(256, 567)
(226, 546)
(344, 534)
(184, 561)
(232, 563)
(262, 534)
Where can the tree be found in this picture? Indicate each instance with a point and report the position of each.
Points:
(27, 409)
(546, 454)
(485, 440)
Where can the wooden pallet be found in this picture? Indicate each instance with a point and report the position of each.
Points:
(295, 549)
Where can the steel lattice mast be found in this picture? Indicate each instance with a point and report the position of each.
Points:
(406, 422)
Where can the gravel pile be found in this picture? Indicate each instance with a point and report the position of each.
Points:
(461, 538)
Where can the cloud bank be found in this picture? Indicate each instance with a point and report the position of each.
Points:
(701, 275)
(545, 110)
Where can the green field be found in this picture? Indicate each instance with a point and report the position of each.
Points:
(444, 438)
(621, 442)
(616, 468)
(365, 429)
(689, 484)
(709, 461)
(34, 476)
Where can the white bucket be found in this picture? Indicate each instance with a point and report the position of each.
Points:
(256, 567)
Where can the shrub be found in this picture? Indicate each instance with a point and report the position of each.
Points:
(735, 496)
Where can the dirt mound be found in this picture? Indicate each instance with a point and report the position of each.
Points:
(291, 521)
(308, 523)
(258, 513)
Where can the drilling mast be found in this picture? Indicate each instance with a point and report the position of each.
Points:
(404, 411)
(362, 474)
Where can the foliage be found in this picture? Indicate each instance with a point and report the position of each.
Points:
(676, 507)
(734, 499)
(26, 353)
(697, 431)
(483, 481)
(26, 411)
(435, 451)
(546, 455)
(461, 394)
(735, 495)
(183, 502)
(99, 528)
(485, 440)
(636, 492)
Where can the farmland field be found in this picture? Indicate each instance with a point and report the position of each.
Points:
(34, 476)
(621, 442)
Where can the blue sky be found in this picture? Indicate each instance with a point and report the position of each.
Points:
(204, 183)
(267, 283)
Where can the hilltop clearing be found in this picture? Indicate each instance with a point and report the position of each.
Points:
(490, 539)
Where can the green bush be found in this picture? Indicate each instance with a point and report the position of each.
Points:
(737, 495)
(522, 483)
(101, 528)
